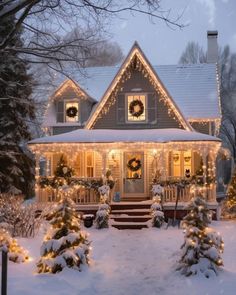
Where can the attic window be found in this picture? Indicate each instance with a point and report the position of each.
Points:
(136, 108)
(71, 112)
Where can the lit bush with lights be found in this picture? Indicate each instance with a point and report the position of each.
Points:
(16, 253)
(202, 248)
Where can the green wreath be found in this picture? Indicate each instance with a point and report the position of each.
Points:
(133, 106)
(133, 167)
(71, 112)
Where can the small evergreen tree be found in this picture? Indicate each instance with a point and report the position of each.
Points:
(16, 109)
(230, 206)
(15, 252)
(202, 245)
(64, 244)
(62, 169)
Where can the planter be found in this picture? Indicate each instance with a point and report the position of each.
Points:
(88, 220)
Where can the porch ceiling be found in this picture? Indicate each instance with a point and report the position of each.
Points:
(96, 136)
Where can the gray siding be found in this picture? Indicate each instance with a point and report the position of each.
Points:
(64, 129)
(157, 112)
(69, 94)
(200, 127)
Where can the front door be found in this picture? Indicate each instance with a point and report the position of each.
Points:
(133, 176)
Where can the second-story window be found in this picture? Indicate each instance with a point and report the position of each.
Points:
(136, 108)
(71, 112)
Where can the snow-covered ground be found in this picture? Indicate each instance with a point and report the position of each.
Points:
(128, 262)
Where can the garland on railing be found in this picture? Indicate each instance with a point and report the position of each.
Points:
(56, 182)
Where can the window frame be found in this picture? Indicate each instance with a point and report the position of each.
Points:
(127, 107)
(182, 164)
(93, 164)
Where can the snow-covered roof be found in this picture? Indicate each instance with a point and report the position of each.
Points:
(111, 135)
(193, 87)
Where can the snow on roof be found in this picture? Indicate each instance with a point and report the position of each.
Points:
(111, 135)
(193, 87)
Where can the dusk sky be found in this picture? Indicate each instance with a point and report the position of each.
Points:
(163, 45)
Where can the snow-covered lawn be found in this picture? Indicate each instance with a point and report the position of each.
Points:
(127, 262)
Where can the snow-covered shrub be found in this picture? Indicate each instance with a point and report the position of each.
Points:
(102, 216)
(202, 248)
(64, 245)
(158, 217)
(19, 218)
(157, 189)
(104, 191)
(15, 253)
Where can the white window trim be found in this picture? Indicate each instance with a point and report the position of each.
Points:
(126, 108)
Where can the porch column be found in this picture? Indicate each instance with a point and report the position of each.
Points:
(204, 168)
(104, 162)
(212, 174)
(47, 158)
(164, 155)
(37, 193)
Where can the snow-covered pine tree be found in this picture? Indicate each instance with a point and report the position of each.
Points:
(15, 252)
(16, 109)
(65, 245)
(230, 205)
(202, 248)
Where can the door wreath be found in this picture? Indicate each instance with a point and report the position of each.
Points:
(134, 164)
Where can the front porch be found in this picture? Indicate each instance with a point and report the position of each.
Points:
(135, 159)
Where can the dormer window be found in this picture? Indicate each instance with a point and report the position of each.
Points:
(67, 111)
(136, 108)
(71, 112)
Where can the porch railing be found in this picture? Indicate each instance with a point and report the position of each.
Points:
(82, 195)
(170, 194)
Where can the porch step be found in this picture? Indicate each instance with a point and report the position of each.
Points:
(133, 205)
(130, 215)
(127, 218)
(132, 212)
(130, 225)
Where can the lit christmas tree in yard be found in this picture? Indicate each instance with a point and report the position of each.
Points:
(65, 245)
(202, 248)
(229, 209)
(15, 252)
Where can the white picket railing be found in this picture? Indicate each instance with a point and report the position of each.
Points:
(170, 193)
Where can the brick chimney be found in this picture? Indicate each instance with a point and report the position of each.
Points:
(212, 46)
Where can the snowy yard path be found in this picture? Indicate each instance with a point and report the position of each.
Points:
(130, 263)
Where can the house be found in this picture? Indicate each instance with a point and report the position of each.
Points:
(143, 122)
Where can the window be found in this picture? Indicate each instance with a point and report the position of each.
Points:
(71, 112)
(176, 164)
(136, 108)
(90, 164)
(181, 164)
